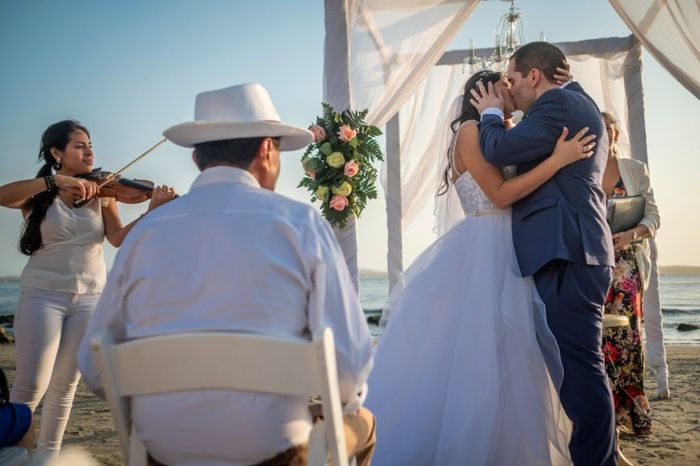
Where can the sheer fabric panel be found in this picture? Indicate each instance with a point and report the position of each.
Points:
(670, 31)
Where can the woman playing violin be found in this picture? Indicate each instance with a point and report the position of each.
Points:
(66, 271)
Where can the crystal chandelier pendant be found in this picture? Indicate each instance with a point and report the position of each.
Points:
(509, 32)
(509, 36)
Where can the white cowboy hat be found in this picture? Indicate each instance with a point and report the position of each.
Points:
(243, 111)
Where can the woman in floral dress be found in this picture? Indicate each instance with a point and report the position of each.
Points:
(623, 346)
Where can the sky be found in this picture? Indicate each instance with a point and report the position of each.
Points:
(130, 69)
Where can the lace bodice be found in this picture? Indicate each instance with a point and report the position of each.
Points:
(473, 199)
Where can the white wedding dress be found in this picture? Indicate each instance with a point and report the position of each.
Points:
(460, 376)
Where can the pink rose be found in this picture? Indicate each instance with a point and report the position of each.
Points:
(319, 133)
(339, 203)
(351, 168)
(346, 133)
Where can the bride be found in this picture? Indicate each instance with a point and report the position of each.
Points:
(466, 372)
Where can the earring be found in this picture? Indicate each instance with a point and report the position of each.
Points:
(57, 165)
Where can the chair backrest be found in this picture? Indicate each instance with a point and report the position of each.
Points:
(237, 361)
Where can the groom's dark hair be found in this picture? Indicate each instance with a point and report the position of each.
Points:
(544, 56)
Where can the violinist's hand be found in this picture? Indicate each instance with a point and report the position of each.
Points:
(161, 195)
(80, 188)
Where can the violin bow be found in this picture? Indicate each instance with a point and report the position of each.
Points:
(82, 202)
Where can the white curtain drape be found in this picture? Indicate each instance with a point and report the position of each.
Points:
(376, 53)
(670, 31)
(380, 55)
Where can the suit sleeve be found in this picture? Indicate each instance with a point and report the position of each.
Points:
(532, 139)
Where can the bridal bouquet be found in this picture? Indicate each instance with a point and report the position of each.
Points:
(338, 164)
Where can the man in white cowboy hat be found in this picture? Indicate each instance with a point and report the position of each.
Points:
(233, 255)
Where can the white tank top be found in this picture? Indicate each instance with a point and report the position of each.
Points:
(71, 258)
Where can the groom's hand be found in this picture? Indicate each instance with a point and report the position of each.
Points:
(485, 97)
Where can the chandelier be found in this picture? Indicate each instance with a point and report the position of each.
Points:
(509, 35)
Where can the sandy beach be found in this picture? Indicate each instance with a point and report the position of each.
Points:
(675, 441)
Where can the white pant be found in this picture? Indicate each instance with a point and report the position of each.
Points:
(48, 328)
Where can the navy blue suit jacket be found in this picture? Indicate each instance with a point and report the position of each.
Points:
(566, 217)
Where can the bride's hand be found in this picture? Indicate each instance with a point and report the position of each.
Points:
(563, 74)
(577, 148)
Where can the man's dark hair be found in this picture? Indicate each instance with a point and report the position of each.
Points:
(237, 152)
(544, 56)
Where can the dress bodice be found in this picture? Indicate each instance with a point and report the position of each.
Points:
(473, 199)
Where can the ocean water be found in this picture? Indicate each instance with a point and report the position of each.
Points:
(680, 302)
(9, 295)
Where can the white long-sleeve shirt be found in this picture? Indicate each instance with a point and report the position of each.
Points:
(230, 256)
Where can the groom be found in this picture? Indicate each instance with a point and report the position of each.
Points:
(560, 233)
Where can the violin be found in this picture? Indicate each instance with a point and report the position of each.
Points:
(121, 189)
(111, 184)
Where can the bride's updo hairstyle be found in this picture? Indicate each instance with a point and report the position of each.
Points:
(468, 112)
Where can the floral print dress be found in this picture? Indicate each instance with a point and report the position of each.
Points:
(622, 346)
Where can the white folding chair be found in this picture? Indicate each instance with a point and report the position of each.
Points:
(13, 456)
(241, 361)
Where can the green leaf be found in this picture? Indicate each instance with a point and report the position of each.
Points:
(363, 148)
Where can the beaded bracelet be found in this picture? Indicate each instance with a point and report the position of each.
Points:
(50, 182)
